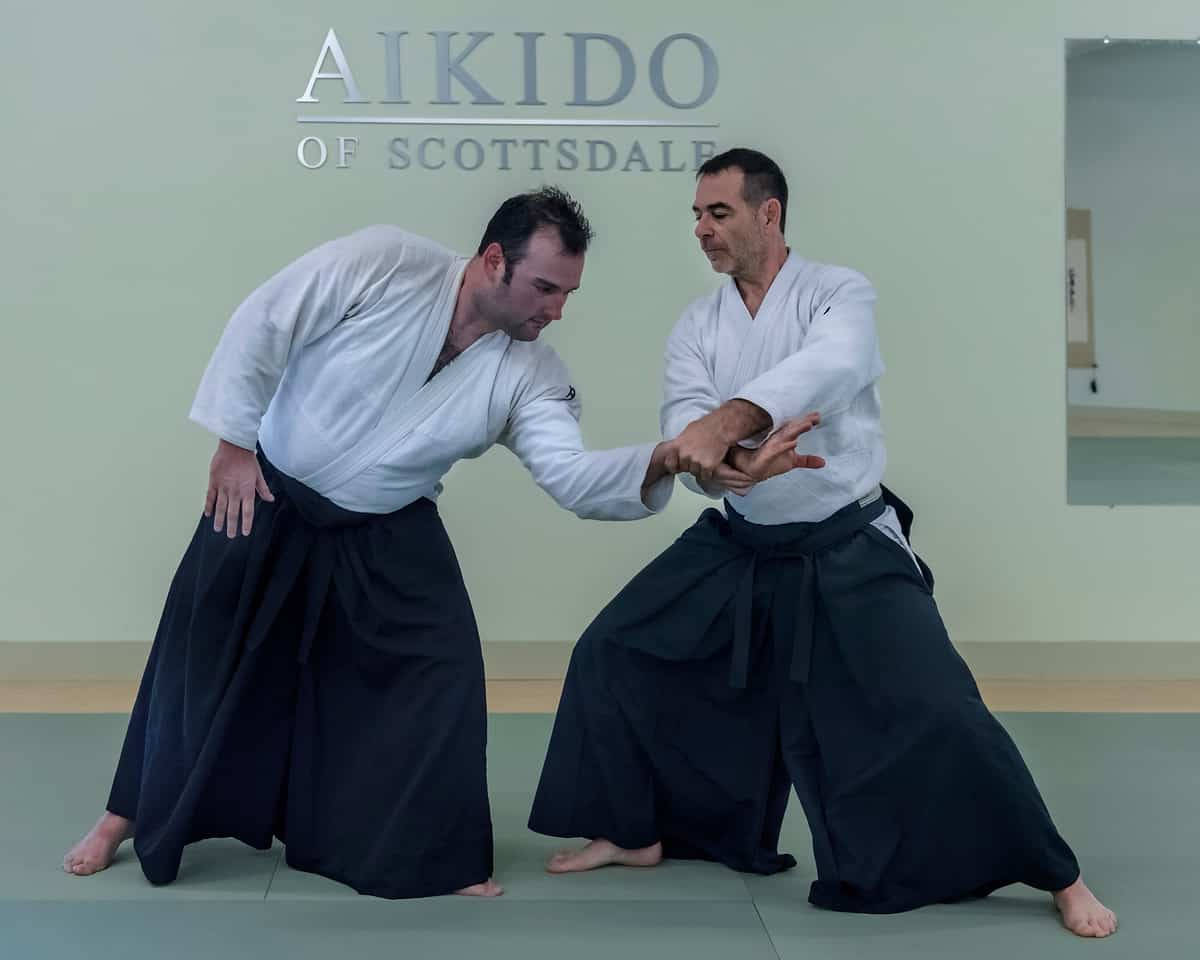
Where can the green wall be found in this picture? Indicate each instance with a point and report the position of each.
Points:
(151, 181)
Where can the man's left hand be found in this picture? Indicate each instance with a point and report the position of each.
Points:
(778, 452)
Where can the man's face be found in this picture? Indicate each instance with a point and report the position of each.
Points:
(538, 289)
(728, 228)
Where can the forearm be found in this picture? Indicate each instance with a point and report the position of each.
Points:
(736, 420)
(657, 469)
(838, 360)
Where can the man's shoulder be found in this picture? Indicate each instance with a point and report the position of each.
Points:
(535, 372)
(700, 310)
(390, 241)
(830, 277)
(535, 358)
(705, 304)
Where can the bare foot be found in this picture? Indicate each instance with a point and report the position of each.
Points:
(601, 852)
(1082, 913)
(96, 850)
(489, 888)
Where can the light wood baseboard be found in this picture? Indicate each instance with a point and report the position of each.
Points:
(1086, 421)
(541, 696)
(77, 662)
(1091, 696)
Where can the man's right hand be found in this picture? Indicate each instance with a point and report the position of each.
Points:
(700, 448)
(234, 477)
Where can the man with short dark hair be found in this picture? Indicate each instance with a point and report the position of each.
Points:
(792, 640)
(319, 677)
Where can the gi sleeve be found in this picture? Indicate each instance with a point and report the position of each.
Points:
(688, 391)
(838, 359)
(543, 432)
(301, 303)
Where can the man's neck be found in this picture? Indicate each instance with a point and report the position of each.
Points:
(468, 323)
(754, 286)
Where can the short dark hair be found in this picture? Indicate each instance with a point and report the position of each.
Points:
(763, 178)
(519, 217)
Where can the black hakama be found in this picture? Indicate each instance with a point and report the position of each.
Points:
(748, 659)
(320, 681)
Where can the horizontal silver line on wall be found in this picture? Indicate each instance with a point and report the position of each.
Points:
(505, 122)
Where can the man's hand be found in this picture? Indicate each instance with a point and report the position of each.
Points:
(664, 461)
(704, 443)
(700, 449)
(730, 478)
(778, 453)
(234, 476)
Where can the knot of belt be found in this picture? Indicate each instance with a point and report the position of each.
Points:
(297, 551)
(795, 617)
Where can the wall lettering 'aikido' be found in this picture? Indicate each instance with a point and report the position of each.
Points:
(681, 72)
